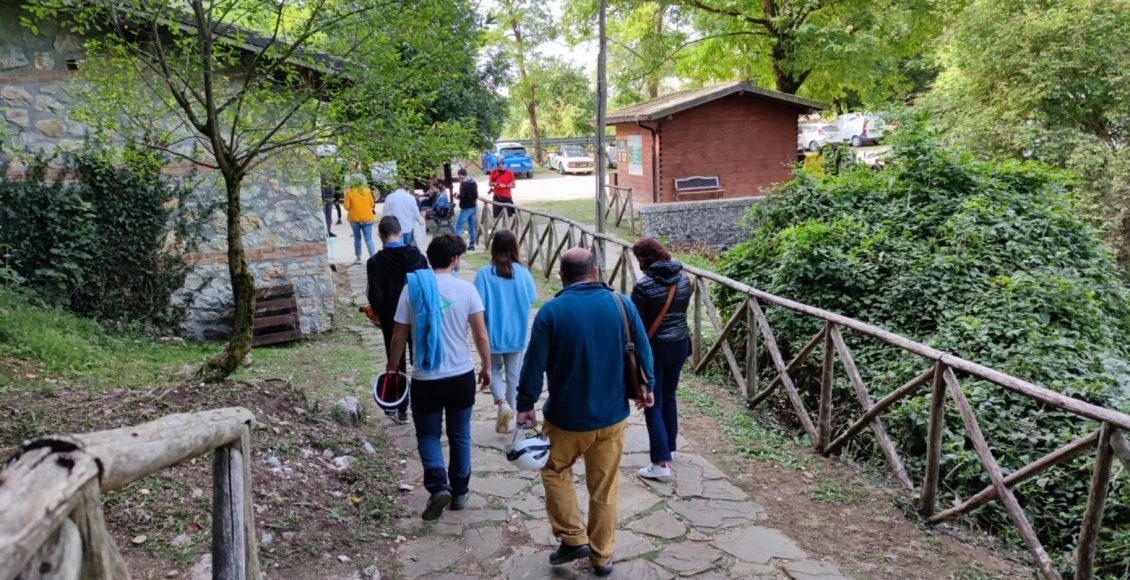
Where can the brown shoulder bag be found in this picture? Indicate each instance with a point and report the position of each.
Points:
(635, 377)
(666, 306)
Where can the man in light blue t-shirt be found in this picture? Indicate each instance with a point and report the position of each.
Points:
(439, 308)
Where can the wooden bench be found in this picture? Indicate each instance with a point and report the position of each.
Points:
(698, 187)
(276, 315)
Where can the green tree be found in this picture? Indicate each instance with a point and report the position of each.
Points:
(1048, 81)
(568, 105)
(824, 49)
(523, 26)
(230, 85)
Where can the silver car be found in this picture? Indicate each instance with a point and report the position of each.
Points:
(813, 136)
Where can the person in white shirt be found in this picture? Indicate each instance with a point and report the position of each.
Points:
(402, 205)
(439, 308)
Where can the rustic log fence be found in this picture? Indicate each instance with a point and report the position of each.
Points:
(545, 236)
(51, 519)
(621, 206)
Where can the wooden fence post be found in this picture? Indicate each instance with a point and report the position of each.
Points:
(233, 527)
(824, 413)
(751, 370)
(934, 442)
(1096, 504)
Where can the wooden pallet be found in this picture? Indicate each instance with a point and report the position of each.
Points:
(276, 315)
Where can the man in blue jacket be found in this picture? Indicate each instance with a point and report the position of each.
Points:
(577, 342)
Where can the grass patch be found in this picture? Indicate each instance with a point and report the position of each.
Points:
(750, 437)
(582, 211)
(58, 343)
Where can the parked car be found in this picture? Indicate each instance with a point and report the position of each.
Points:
(513, 156)
(813, 136)
(572, 159)
(861, 129)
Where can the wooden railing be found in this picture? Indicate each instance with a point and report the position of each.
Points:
(51, 519)
(545, 237)
(620, 206)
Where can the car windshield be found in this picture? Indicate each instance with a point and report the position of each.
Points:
(513, 151)
(807, 128)
(831, 129)
(573, 152)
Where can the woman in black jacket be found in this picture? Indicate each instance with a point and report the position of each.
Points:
(662, 296)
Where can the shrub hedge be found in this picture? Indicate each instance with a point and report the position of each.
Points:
(984, 260)
(102, 237)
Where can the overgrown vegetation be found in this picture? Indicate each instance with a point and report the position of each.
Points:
(102, 237)
(984, 260)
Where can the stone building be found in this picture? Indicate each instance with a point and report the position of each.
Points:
(283, 227)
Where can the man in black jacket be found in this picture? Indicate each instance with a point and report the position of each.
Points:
(468, 197)
(387, 273)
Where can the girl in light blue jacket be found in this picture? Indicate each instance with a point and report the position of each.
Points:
(508, 291)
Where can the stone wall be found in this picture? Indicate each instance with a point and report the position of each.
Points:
(283, 228)
(284, 232)
(716, 223)
(33, 87)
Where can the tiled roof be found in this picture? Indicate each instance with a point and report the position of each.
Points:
(680, 101)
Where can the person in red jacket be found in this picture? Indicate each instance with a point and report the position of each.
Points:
(502, 182)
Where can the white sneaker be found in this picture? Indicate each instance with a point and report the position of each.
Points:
(505, 418)
(656, 472)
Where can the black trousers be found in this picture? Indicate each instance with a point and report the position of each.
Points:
(498, 209)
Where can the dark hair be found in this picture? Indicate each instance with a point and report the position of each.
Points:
(504, 253)
(648, 251)
(444, 249)
(389, 226)
(462, 172)
(574, 269)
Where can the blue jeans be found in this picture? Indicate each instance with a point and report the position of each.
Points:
(468, 216)
(663, 418)
(504, 385)
(431, 400)
(359, 229)
(408, 238)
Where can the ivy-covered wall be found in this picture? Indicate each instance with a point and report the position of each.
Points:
(283, 227)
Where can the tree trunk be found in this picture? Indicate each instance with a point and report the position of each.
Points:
(532, 96)
(1124, 242)
(243, 291)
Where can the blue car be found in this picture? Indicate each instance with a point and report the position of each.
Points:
(513, 156)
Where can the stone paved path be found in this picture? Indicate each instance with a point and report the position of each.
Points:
(702, 525)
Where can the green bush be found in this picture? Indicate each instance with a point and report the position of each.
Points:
(979, 259)
(94, 237)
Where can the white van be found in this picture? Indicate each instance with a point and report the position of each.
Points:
(860, 129)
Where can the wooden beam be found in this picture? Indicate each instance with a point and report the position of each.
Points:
(1065, 453)
(130, 453)
(101, 559)
(928, 500)
(891, 398)
(824, 413)
(723, 333)
(865, 401)
(751, 371)
(696, 342)
(985, 455)
(782, 370)
(800, 356)
(233, 527)
(59, 558)
(1096, 505)
(39, 489)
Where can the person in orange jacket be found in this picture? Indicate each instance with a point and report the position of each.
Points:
(359, 204)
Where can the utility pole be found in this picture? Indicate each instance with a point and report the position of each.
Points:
(601, 153)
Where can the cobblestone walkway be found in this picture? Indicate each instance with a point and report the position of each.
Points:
(701, 526)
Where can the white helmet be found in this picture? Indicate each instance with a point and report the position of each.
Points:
(390, 390)
(529, 453)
